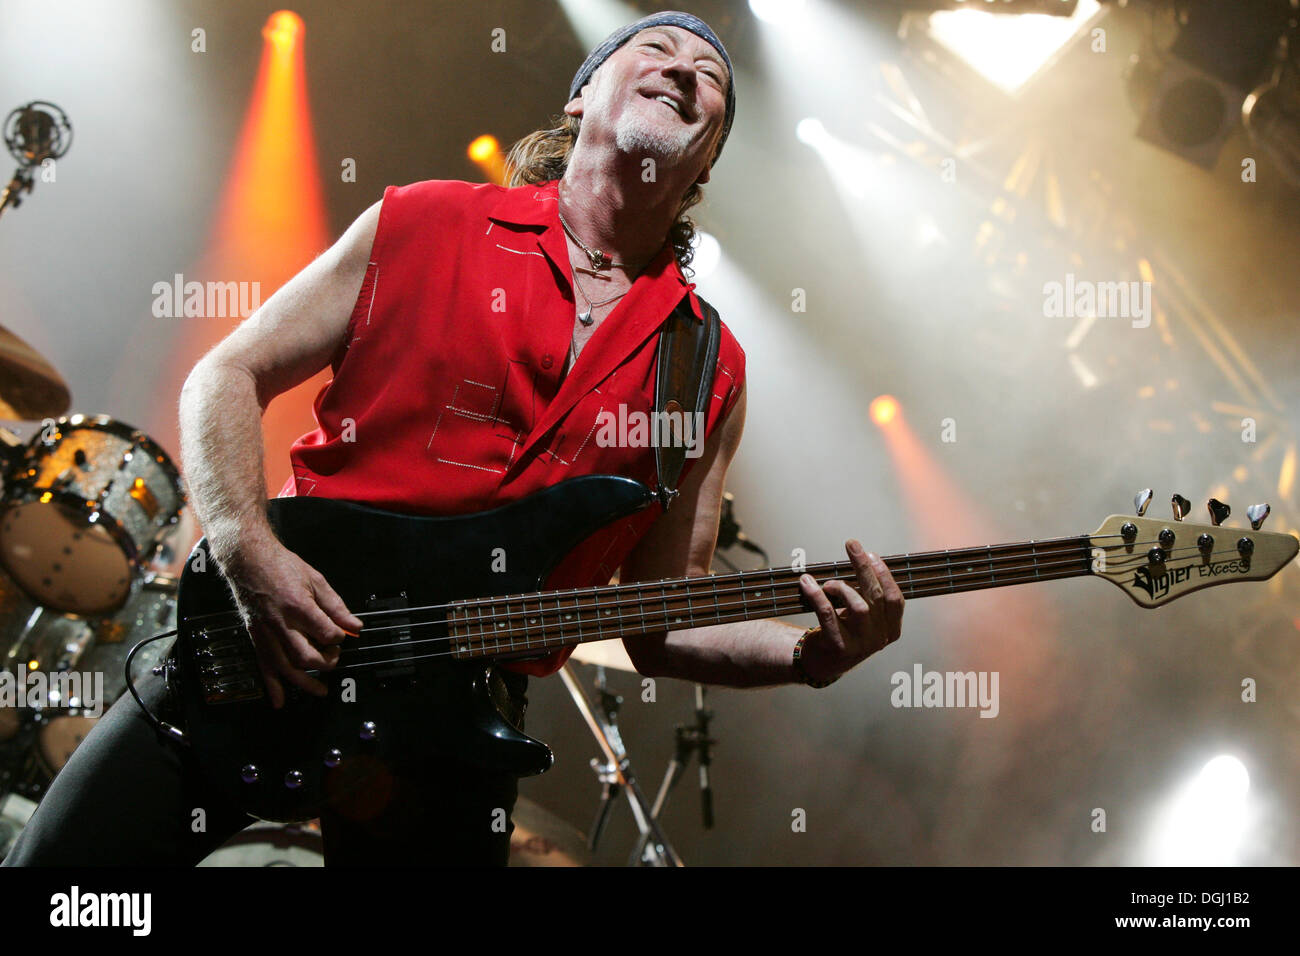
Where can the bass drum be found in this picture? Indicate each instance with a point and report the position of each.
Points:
(84, 509)
(269, 844)
(152, 611)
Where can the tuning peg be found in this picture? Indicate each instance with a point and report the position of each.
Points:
(1142, 500)
(1257, 514)
(1181, 506)
(1218, 511)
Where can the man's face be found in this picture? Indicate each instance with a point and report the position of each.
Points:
(660, 62)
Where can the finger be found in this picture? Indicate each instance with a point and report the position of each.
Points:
(274, 689)
(849, 598)
(300, 651)
(821, 606)
(893, 597)
(307, 618)
(333, 605)
(293, 675)
(871, 587)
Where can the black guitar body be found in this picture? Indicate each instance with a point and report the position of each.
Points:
(285, 765)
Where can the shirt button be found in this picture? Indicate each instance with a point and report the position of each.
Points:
(547, 361)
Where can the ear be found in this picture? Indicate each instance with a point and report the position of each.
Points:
(704, 176)
(575, 106)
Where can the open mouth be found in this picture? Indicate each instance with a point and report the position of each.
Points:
(667, 101)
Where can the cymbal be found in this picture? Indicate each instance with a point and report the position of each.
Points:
(604, 654)
(29, 386)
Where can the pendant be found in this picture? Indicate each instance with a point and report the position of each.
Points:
(585, 318)
(598, 259)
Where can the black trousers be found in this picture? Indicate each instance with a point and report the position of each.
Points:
(130, 797)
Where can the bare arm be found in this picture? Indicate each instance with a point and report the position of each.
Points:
(290, 338)
(752, 653)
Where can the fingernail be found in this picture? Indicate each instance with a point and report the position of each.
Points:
(807, 579)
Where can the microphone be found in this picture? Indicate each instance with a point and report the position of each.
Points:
(729, 533)
(33, 134)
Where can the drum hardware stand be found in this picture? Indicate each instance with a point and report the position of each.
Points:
(690, 738)
(616, 774)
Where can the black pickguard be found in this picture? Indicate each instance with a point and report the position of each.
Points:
(285, 765)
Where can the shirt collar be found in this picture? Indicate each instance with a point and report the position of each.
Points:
(537, 205)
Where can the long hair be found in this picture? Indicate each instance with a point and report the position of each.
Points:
(544, 154)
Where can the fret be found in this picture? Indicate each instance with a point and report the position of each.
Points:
(1033, 549)
(523, 621)
(578, 611)
(947, 563)
(595, 606)
(992, 577)
(663, 596)
(479, 607)
(771, 579)
(618, 602)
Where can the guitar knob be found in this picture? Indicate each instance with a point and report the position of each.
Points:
(1142, 500)
(368, 730)
(1257, 514)
(1181, 507)
(334, 757)
(1218, 511)
(249, 773)
(293, 779)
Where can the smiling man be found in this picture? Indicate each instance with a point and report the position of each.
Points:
(476, 334)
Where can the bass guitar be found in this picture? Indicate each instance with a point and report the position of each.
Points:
(443, 598)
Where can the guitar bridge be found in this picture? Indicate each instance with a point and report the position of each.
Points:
(227, 667)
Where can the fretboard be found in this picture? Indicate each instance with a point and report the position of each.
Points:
(530, 624)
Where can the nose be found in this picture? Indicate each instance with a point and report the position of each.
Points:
(682, 67)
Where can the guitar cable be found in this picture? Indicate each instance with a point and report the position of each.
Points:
(164, 728)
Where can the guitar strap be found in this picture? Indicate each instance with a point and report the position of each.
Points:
(688, 355)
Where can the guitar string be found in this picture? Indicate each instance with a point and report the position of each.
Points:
(781, 607)
(944, 586)
(943, 564)
(788, 609)
(903, 574)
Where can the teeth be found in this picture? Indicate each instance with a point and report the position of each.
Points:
(663, 99)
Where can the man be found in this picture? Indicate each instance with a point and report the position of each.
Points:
(475, 334)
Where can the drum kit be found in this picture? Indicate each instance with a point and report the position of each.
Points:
(86, 507)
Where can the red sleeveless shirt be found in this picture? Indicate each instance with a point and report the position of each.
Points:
(446, 397)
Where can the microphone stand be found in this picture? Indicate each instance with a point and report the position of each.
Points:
(616, 773)
(21, 183)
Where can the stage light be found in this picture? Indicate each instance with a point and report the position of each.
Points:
(811, 131)
(708, 253)
(486, 153)
(1206, 821)
(883, 409)
(1008, 49)
(483, 147)
(777, 12)
(283, 29)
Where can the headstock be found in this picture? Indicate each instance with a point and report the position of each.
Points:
(1155, 562)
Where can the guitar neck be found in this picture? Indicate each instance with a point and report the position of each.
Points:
(529, 624)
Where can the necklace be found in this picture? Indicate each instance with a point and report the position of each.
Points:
(585, 317)
(597, 256)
